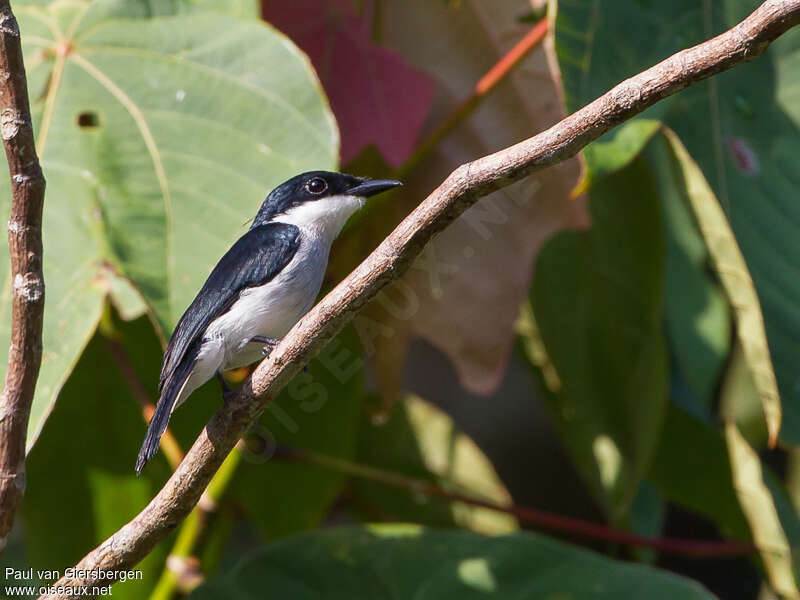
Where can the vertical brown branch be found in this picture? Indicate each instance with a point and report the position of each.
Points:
(25, 249)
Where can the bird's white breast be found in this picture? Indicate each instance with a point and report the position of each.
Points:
(272, 309)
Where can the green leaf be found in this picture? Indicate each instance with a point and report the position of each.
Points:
(759, 509)
(405, 561)
(81, 486)
(235, 8)
(698, 315)
(646, 517)
(159, 136)
(318, 411)
(743, 129)
(597, 298)
(732, 269)
(420, 441)
(617, 149)
(690, 467)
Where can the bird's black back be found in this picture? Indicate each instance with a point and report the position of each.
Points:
(257, 257)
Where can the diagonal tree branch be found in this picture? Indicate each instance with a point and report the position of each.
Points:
(458, 192)
(25, 249)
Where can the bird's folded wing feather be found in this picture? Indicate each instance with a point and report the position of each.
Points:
(257, 257)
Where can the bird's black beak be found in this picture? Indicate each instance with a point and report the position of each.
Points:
(370, 187)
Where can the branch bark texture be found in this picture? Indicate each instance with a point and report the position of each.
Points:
(27, 282)
(390, 260)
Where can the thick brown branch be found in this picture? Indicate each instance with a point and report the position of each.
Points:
(27, 283)
(390, 260)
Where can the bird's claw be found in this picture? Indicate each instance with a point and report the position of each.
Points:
(269, 344)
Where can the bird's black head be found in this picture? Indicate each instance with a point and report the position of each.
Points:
(317, 186)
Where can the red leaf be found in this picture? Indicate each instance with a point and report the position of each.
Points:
(376, 96)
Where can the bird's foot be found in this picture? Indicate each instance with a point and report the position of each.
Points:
(228, 393)
(269, 343)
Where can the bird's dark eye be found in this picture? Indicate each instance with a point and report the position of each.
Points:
(316, 185)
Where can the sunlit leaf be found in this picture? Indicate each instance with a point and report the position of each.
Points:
(733, 272)
(740, 402)
(422, 442)
(762, 516)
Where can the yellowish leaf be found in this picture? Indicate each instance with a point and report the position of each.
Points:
(760, 512)
(732, 269)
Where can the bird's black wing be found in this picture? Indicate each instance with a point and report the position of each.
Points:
(257, 257)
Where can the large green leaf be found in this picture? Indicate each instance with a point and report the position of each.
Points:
(420, 441)
(405, 561)
(741, 127)
(597, 298)
(159, 136)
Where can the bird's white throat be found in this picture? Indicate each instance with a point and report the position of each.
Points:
(324, 217)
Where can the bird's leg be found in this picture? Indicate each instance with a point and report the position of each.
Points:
(227, 391)
(269, 343)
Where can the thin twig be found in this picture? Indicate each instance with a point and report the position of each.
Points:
(527, 515)
(25, 250)
(393, 256)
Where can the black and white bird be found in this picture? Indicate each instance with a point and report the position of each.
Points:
(261, 287)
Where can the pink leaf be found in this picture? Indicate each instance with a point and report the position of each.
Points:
(376, 96)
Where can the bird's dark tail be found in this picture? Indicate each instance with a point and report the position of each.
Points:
(158, 424)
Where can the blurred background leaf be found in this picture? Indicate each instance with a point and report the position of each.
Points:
(598, 299)
(740, 127)
(318, 411)
(386, 105)
(376, 562)
(422, 442)
(81, 483)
